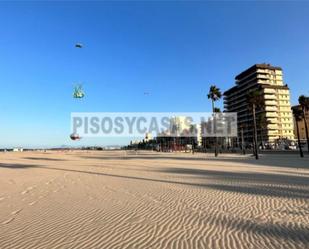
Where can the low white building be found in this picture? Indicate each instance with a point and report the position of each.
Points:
(18, 149)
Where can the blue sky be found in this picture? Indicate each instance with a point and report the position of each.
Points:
(174, 50)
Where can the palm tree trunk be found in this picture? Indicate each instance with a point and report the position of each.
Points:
(262, 138)
(193, 146)
(306, 128)
(298, 139)
(242, 141)
(216, 139)
(255, 133)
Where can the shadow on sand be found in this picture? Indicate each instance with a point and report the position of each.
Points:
(276, 160)
(259, 184)
(43, 159)
(264, 184)
(16, 166)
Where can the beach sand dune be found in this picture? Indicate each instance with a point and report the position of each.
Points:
(118, 199)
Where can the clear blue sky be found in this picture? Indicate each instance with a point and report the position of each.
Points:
(174, 50)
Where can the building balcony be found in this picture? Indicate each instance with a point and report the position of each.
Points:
(260, 81)
(271, 102)
(262, 76)
(269, 90)
(270, 96)
(272, 132)
(271, 108)
(272, 126)
(271, 114)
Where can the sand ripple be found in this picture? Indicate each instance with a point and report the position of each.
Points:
(127, 201)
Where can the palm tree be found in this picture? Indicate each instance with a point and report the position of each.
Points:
(221, 140)
(242, 126)
(255, 99)
(298, 117)
(263, 123)
(193, 133)
(304, 103)
(214, 94)
(217, 110)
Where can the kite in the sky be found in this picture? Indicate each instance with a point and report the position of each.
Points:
(78, 45)
(75, 136)
(78, 92)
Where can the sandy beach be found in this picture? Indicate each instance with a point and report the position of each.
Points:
(118, 199)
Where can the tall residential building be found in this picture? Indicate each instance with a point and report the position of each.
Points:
(274, 119)
(301, 125)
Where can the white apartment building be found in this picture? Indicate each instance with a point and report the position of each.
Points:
(276, 111)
